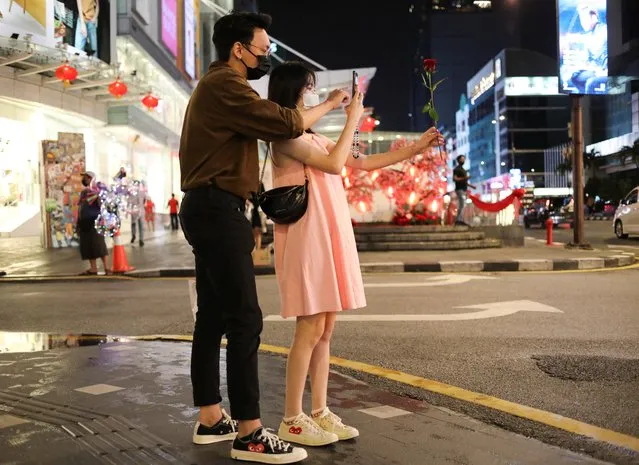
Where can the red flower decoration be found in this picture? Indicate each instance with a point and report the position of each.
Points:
(430, 65)
(66, 73)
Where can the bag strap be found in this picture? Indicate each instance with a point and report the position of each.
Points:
(268, 153)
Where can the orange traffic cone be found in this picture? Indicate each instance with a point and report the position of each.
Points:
(120, 263)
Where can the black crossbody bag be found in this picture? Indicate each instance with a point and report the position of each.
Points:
(283, 205)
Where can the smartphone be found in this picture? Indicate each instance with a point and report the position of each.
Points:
(354, 83)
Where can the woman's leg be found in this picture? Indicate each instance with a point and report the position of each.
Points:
(93, 265)
(320, 362)
(257, 235)
(308, 331)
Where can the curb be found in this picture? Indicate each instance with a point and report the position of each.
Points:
(461, 266)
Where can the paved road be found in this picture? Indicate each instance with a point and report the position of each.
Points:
(572, 350)
(599, 233)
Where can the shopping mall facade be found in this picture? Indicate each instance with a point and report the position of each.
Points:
(51, 131)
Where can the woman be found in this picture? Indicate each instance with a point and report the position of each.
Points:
(149, 213)
(92, 244)
(316, 258)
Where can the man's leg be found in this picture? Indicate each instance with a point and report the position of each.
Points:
(461, 204)
(92, 33)
(141, 227)
(80, 40)
(133, 230)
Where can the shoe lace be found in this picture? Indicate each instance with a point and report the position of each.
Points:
(334, 418)
(273, 440)
(310, 424)
(228, 420)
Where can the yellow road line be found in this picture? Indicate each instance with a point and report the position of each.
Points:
(511, 408)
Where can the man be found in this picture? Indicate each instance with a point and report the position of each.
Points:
(593, 68)
(87, 27)
(461, 177)
(219, 170)
(173, 211)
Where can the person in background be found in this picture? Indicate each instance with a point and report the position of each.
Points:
(136, 207)
(173, 211)
(87, 26)
(461, 177)
(316, 261)
(149, 213)
(219, 168)
(92, 244)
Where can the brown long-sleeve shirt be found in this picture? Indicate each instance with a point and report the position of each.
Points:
(223, 121)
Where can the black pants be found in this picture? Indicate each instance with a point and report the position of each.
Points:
(175, 225)
(214, 224)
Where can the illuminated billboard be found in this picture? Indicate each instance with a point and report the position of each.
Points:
(583, 46)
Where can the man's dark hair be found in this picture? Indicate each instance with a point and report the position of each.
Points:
(459, 158)
(237, 26)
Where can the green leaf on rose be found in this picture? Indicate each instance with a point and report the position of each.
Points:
(433, 114)
(427, 108)
(438, 83)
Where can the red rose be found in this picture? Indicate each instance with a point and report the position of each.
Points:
(430, 65)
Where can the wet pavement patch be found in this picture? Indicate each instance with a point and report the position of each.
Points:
(21, 342)
(588, 368)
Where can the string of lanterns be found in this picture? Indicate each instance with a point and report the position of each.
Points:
(66, 73)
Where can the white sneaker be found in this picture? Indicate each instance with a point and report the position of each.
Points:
(303, 430)
(330, 422)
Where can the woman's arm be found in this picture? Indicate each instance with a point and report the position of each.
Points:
(430, 139)
(310, 155)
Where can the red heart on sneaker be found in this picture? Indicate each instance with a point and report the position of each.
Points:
(259, 448)
(295, 430)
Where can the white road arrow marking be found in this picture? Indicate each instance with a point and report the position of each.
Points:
(443, 280)
(490, 310)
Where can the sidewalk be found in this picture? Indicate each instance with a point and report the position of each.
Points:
(129, 402)
(167, 254)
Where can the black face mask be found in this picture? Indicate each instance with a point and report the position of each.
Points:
(262, 68)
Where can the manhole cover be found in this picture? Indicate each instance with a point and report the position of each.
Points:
(588, 368)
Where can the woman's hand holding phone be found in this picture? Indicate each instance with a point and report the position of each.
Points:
(355, 109)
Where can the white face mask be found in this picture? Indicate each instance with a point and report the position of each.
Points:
(310, 98)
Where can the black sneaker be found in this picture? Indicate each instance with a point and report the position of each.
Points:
(132, 239)
(141, 243)
(264, 446)
(224, 430)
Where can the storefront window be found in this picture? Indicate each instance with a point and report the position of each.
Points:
(19, 186)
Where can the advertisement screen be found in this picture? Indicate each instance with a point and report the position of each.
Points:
(189, 37)
(170, 26)
(25, 17)
(85, 25)
(583, 46)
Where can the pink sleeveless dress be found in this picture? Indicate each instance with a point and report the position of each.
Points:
(316, 259)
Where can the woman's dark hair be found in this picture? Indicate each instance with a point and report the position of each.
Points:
(287, 81)
(238, 26)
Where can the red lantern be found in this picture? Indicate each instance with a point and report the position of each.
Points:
(150, 101)
(367, 125)
(66, 73)
(118, 88)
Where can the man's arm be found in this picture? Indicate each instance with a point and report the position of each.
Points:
(246, 113)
